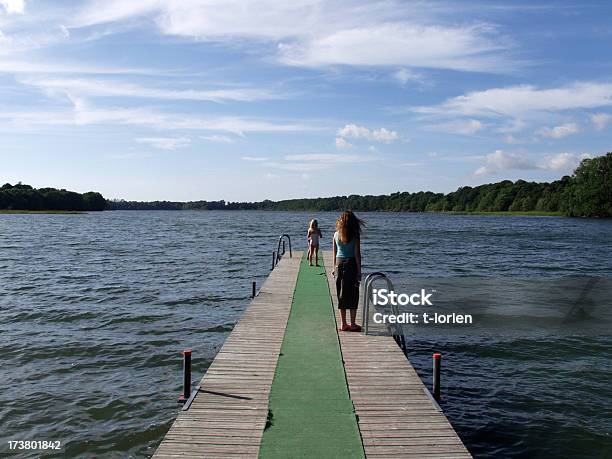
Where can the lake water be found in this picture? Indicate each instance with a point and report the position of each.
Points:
(95, 309)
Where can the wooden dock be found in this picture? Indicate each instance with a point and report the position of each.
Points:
(228, 416)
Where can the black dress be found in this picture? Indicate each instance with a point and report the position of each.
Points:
(347, 283)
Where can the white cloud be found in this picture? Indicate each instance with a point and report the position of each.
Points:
(342, 143)
(217, 138)
(97, 12)
(85, 114)
(13, 6)
(399, 43)
(512, 126)
(39, 67)
(352, 130)
(464, 127)
(403, 76)
(314, 162)
(384, 135)
(471, 127)
(517, 101)
(565, 162)
(359, 132)
(500, 161)
(601, 120)
(106, 88)
(559, 132)
(206, 19)
(298, 167)
(165, 143)
(317, 33)
(329, 158)
(64, 30)
(255, 158)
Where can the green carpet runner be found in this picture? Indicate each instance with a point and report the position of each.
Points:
(310, 413)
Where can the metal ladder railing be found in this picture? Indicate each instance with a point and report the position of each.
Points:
(396, 329)
(276, 256)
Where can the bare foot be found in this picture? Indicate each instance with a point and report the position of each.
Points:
(345, 327)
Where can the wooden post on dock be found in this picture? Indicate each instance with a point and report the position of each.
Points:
(186, 376)
(254, 290)
(273, 259)
(437, 362)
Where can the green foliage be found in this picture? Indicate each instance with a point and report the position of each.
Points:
(24, 197)
(589, 193)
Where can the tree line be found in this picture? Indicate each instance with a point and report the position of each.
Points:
(587, 193)
(25, 197)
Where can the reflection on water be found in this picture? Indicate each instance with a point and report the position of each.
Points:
(95, 308)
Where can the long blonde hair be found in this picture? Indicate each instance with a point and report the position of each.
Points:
(314, 225)
(349, 226)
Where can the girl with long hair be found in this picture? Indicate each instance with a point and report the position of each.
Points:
(347, 266)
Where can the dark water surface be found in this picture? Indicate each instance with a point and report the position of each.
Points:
(95, 308)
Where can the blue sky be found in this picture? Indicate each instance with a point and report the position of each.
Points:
(250, 100)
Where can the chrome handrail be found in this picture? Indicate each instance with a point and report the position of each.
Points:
(278, 249)
(367, 295)
(397, 329)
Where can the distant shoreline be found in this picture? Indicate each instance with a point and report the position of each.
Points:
(534, 213)
(508, 213)
(475, 213)
(68, 212)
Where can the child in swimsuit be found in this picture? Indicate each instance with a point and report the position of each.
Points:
(314, 234)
